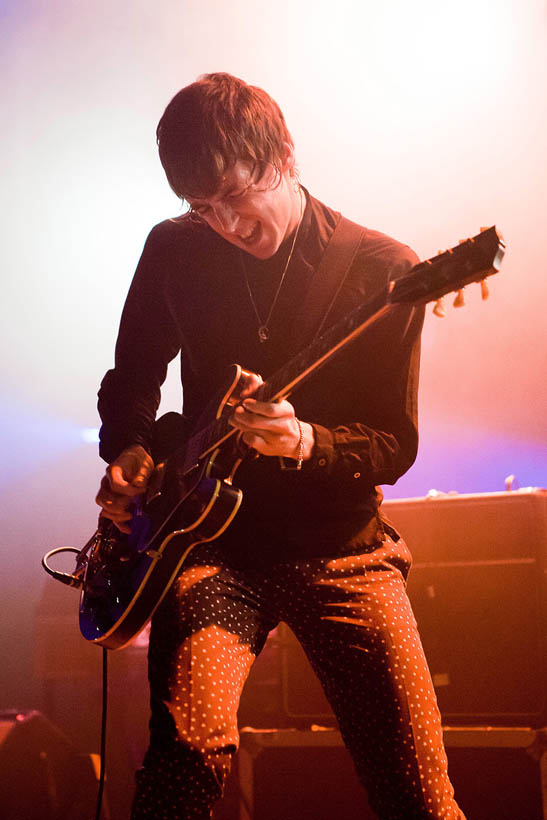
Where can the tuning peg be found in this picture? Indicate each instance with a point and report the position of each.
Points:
(485, 293)
(439, 310)
(459, 301)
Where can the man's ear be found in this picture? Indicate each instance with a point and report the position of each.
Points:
(288, 161)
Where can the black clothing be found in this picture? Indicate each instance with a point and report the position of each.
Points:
(189, 292)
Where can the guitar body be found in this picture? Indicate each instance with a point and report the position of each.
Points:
(125, 577)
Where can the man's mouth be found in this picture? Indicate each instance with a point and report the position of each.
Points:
(251, 235)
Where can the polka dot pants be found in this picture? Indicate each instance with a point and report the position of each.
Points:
(354, 621)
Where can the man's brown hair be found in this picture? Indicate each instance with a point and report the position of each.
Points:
(210, 125)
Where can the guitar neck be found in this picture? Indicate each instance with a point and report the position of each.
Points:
(470, 261)
(313, 357)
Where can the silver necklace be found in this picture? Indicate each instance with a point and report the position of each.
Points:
(263, 326)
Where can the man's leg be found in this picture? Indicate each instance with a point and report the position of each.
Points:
(203, 641)
(357, 628)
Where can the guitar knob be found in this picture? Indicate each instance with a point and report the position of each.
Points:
(459, 301)
(439, 310)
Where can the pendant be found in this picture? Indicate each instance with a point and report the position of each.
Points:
(263, 333)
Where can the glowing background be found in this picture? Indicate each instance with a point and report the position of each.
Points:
(425, 120)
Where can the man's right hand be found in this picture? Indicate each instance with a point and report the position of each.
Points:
(124, 479)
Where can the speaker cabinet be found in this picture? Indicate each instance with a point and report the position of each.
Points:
(478, 587)
(478, 590)
(295, 775)
(42, 776)
(497, 773)
(282, 691)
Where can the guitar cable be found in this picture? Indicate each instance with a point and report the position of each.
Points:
(75, 580)
(102, 752)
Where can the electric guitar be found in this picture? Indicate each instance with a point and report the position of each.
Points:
(191, 497)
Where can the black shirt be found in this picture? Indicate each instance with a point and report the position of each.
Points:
(189, 294)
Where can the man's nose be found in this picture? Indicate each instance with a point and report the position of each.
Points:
(226, 216)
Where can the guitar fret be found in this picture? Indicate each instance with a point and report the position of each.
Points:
(264, 392)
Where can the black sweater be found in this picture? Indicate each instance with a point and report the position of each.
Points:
(189, 295)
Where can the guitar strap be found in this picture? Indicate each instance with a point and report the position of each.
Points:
(328, 279)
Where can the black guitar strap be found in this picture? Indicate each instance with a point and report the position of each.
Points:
(328, 279)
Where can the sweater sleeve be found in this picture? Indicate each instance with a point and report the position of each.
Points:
(148, 339)
(366, 429)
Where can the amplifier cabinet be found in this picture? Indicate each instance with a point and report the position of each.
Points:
(497, 772)
(478, 587)
(294, 775)
(43, 775)
(478, 590)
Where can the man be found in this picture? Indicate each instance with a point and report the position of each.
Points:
(236, 280)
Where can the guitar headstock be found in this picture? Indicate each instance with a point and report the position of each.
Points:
(471, 261)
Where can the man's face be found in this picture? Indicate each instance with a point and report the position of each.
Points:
(254, 215)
